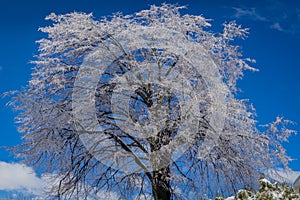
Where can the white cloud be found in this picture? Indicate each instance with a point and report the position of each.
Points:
(105, 195)
(15, 176)
(282, 175)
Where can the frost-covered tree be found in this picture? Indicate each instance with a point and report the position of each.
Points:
(141, 105)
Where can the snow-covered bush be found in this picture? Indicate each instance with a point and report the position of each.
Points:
(266, 191)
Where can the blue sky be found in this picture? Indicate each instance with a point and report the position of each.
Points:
(274, 42)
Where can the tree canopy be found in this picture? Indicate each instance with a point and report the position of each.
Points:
(143, 105)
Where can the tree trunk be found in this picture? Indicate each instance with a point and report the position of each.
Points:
(161, 188)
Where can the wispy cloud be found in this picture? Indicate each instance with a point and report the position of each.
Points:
(249, 13)
(277, 14)
(277, 27)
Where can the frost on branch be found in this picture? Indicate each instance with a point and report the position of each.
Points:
(147, 97)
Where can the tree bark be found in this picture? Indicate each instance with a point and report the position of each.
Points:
(161, 188)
